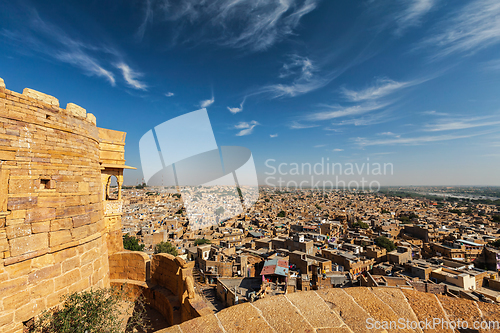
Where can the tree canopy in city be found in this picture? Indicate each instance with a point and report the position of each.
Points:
(131, 243)
(201, 241)
(385, 243)
(166, 247)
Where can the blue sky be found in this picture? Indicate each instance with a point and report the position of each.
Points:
(415, 83)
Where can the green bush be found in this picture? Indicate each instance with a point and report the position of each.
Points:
(361, 225)
(385, 243)
(201, 241)
(281, 214)
(219, 211)
(132, 243)
(93, 311)
(166, 247)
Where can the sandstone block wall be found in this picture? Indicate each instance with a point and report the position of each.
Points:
(51, 211)
(170, 272)
(170, 290)
(129, 265)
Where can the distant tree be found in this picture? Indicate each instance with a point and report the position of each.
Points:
(131, 243)
(496, 218)
(456, 211)
(180, 211)
(281, 214)
(384, 211)
(318, 207)
(141, 186)
(166, 247)
(361, 225)
(266, 200)
(496, 244)
(219, 211)
(385, 243)
(201, 241)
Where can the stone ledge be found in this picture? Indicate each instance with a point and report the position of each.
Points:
(2, 83)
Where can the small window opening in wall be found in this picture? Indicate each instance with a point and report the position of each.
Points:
(48, 116)
(44, 184)
(28, 325)
(112, 188)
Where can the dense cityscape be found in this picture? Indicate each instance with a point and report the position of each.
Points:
(329, 239)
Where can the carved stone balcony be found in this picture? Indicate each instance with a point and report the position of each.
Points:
(113, 207)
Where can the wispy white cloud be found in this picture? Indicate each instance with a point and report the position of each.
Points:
(273, 135)
(304, 78)
(337, 111)
(245, 127)
(236, 110)
(413, 13)
(338, 150)
(433, 113)
(206, 103)
(471, 28)
(413, 140)
(381, 88)
(169, 94)
(298, 66)
(330, 129)
(319, 146)
(389, 134)
(42, 37)
(148, 18)
(455, 123)
(381, 153)
(368, 119)
(243, 24)
(297, 125)
(78, 58)
(131, 76)
(493, 65)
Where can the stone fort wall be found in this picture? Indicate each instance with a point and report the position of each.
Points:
(60, 230)
(52, 230)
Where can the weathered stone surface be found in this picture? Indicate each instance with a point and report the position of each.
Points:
(91, 118)
(27, 202)
(76, 110)
(236, 319)
(2, 83)
(397, 301)
(40, 96)
(208, 324)
(59, 237)
(426, 307)
(315, 310)
(282, 315)
(349, 311)
(31, 243)
(40, 214)
(377, 310)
